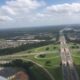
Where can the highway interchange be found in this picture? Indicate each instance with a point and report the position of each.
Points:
(68, 68)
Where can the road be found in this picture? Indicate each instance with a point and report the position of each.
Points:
(22, 55)
(68, 69)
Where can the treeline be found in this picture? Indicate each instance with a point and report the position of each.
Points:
(43, 37)
(28, 46)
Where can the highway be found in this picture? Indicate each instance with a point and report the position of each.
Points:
(68, 68)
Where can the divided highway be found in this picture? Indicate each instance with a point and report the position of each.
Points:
(68, 69)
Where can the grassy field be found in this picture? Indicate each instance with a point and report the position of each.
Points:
(51, 61)
(51, 47)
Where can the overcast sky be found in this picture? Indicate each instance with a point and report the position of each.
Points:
(30, 13)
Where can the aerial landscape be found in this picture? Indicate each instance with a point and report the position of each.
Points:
(39, 40)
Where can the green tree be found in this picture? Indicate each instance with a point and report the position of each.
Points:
(47, 48)
(42, 55)
(48, 63)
